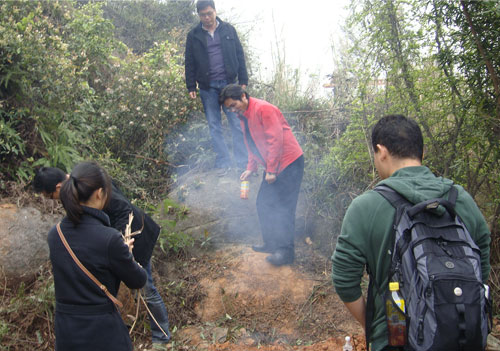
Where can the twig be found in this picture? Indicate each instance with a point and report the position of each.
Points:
(136, 315)
(127, 235)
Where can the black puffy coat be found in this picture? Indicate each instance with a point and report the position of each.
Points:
(196, 57)
(85, 317)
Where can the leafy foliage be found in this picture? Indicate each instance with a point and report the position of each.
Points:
(140, 24)
(69, 91)
(41, 91)
(428, 60)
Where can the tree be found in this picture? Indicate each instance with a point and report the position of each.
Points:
(141, 23)
(440, 62)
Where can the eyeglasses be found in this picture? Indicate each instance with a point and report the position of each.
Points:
(206, 14)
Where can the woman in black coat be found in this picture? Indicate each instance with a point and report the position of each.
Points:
(85, 318)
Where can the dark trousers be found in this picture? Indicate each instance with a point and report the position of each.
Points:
(276, 205)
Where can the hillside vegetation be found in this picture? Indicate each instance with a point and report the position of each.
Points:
(104, 80)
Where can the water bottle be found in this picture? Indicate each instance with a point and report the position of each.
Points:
(347, 346)
(396, 320)
(244, 189)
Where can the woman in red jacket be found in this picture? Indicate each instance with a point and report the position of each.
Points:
(271, 143)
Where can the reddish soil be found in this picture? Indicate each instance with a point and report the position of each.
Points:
(244, 303)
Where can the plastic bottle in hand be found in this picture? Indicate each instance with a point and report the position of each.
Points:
(347, 346)
(244, 189)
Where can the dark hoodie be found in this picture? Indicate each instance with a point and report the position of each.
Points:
(365, 237)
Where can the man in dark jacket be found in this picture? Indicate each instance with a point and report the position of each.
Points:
(48, 181)
(214, 58)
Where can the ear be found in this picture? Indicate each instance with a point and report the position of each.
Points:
(382, 151)
(99, 194)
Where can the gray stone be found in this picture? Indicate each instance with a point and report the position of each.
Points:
(23, 241)
(217, 211)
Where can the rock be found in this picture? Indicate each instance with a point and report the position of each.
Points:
(216, 209)
(23, 241)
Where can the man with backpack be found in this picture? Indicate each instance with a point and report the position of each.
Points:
(414, 247)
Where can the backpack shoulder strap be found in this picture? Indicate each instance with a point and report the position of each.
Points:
(399, 203)
(391, 195)
(453, 195)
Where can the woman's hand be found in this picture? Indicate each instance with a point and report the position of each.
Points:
(130, 244)
(270, 177)
(245, 175)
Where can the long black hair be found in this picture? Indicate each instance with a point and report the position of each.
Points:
(85, 178)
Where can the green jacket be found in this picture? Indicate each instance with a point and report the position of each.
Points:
(365, 237)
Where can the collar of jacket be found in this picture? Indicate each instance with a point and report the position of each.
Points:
(100, 215)
(200, 32)
(250, 107)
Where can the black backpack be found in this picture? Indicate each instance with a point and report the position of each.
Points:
(438, 268)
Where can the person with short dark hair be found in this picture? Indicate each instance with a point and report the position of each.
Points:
(49, 181)
(367, 228)
(270, 143)
(214, 58)
(85, 317)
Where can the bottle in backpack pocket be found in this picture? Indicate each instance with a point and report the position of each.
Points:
(244, 189)
(395, 312)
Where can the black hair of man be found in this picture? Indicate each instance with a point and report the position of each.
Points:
(84, 180)
(203, 4)
(47, 178)
(400, 135)
(232, 91)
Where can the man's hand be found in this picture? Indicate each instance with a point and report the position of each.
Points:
(270, 177)
(245, 175)
(192, 94)
(243, 86)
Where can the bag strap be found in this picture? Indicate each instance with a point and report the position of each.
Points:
(399, 203)
(82, 267)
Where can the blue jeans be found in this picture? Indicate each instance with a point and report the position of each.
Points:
(157, 308)
(210, 100)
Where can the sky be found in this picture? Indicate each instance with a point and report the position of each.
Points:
(307, 29)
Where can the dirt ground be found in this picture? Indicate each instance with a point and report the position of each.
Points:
(234, 300)
(219, 296)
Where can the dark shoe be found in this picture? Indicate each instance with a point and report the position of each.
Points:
(263, 248)
(281, 258)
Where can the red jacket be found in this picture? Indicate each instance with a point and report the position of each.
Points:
(272, 135)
